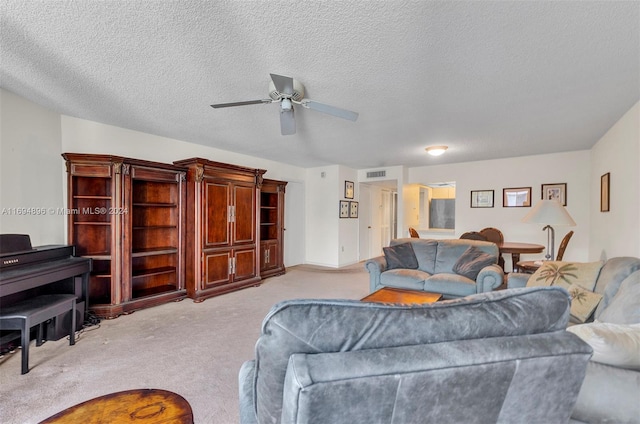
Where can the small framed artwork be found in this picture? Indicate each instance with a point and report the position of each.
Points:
(353, 209)
(519, 197)
(605, 181)
(481, 198)
(344, 209)
(557, 191)
(348, 189)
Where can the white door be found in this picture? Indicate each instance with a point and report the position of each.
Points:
(364, 227)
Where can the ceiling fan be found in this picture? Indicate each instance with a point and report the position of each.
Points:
(288, 91)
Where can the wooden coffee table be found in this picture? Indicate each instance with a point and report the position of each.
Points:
(401, 296)
(143, 406)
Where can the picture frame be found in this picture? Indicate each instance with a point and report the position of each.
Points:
(517, 197)
(605, 182)
(353, 209)
(348, 189)
(555, 191)
(482, 198)
(344, 209)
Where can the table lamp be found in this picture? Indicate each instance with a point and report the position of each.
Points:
(549, 212)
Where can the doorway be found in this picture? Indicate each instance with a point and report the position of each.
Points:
(378, 217)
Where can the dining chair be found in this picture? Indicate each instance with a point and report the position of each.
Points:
(529, 267)
(413, 233)
(473, 235)
(495, 236)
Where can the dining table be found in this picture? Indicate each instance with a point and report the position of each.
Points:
(517, 248)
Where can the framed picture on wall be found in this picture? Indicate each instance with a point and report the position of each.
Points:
(344, 209)
(604, 192)
(557, 191)
(481, 198)
(353, 209)
(519, 197)
(348, 189)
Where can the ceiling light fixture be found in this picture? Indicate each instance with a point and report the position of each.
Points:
(436, 150)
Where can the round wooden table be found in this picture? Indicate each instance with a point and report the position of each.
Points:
(516, 249)
(143, 406)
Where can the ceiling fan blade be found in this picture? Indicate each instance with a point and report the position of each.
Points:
(283, 84)
(248, 102)
(331, 110)
(287, 122)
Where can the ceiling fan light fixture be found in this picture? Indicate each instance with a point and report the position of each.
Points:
(286, 104)
(436, 150)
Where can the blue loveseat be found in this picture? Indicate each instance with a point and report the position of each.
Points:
(438, 268)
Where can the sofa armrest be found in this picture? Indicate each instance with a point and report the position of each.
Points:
(375, 266)
(247, 387)
(516, 280)
(489, 278)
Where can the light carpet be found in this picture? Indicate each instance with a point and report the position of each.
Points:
(193, 349)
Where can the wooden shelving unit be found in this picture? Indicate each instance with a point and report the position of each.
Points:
(128, 216)
(272, 227)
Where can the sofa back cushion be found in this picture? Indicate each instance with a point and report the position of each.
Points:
(611, 275)
(319, 326)
(449, 251)
(424, 250)
(624, 306)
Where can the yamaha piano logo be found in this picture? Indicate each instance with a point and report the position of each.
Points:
(10, 261)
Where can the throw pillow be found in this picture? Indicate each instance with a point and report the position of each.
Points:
(400, 256)
(613, 344)
(563, 274)
(583, 302)
(472, 261)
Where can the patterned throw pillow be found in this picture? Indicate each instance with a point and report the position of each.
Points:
(583, 302)
(584, 274)
(579, 278)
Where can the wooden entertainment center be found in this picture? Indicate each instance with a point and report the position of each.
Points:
(161, 232)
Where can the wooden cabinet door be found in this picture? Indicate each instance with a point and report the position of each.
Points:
(217, 268)
(245, 264)
(216, 212)
(269, 255)
(244, 206)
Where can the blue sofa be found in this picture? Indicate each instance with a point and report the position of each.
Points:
(609, 393)
(435, 271)
(498, 357)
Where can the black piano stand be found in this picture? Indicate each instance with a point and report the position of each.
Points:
(35, 311)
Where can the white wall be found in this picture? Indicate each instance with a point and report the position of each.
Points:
(321, 235)
(572, 168)
(617, 232)
(32, 170)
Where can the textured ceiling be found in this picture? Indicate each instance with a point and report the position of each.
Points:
(489, 79)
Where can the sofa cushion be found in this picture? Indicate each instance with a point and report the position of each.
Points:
(564, 274)
(450, 250)
(425, 251)
(412, 279)
(583, 302)
(400, 256)
(471, 262)
(450, 285)
(315, 326)
(624, 307)
(613, 344)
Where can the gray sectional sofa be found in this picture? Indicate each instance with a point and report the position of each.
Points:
(498, 357)
(609, 393)
(439, 268)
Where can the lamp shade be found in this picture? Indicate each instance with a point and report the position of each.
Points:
(550, 212)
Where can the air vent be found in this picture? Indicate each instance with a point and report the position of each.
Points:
(376, 174)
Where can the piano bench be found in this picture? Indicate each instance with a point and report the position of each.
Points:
(35, 311)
